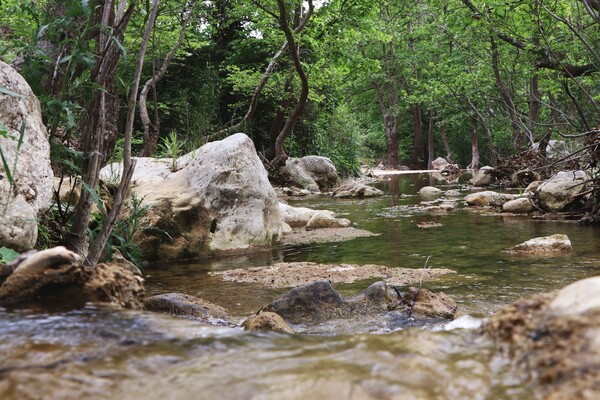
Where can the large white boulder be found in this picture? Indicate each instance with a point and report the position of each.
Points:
(314, 173)
(31, 194)
(220, 200)
(577, 298)
(558, 192)
(439, 163)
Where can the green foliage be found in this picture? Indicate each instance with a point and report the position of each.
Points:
(171, 147)
(122, 236)
(8, 255)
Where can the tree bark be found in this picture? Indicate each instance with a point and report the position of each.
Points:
(474, 145)
(418, 153)
(99, 127)
(430, 148)
(445, 143)
(280, 155)
(506, 96)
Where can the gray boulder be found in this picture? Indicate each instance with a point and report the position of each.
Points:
(356, 190)
(314, 173)
(488, 198)
(483, 177)
(429, 192)
(558, 243)
(33, 178)
(439, 163)
(522, 205)
(560, 191)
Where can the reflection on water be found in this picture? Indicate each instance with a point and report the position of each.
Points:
(104, 353)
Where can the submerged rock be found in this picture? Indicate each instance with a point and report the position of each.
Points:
(558, 243)
(356, 190)
(185, 305)
(319, 301)
(267, 321)
(429, 191)
(30, 192)
(423, 302)
(59, 274)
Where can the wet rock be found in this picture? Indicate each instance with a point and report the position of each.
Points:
(218, 200)
(324, 220)
(31, 191)
(378, 297)
(314, 173)
(560, 191)
(558, 243)
(554, 338)
(429, 191)
(439, 163)
(483, 177)
(267, 321)
(452, 193)
(451, 172)
(312, 302)
(185, 305)
(59, 274)
(577, 298)
(522, 205)
(356, 190)
(118, 259)
(425, 303)
(488, 198)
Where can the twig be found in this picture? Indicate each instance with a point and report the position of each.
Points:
(412, 301)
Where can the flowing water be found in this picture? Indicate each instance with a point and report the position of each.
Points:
(97, 352)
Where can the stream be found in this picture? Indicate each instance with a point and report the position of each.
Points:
(99, 352)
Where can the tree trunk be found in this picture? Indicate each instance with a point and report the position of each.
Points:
(487, 130)
(280, 155)
(152, 131)
(534, 106)
(418, 153)
(445, 142)
(279, 119)
(506, 96)
(99, 127)
(474, 145)
(430, 148)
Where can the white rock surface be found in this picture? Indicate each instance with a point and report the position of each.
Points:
(558, 243)
(561, 190)
(314, 173)
(32, 193)
(482, 177)
(522, 205)
(577, 298)
(488, 198)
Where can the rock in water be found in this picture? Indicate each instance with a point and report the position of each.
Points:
(185, 305)
(483, 177)
(267, 321)
(560, 191)
(220, 200)
(312, 302)
(426, 303)
(558, 243)
(31, 192)
(488, 198)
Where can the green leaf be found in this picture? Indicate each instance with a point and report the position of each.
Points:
(6, 167)
(8, 255)
(4, 90)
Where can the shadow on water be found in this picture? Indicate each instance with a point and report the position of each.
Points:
(103, 353)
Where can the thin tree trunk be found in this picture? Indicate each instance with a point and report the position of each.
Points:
(100, 124)
(280, 118)
(486, 129)
(445, 142)
(474, 145)
(418, 153)
(430, 148)
(99, 243)
(280, 155)
(152, 131)
(506, 96)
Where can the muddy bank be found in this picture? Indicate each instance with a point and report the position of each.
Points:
(285, 275)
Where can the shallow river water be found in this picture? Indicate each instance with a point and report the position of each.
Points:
(98, 352)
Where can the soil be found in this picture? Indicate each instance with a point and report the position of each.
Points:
(286, 275)
(326, 235)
